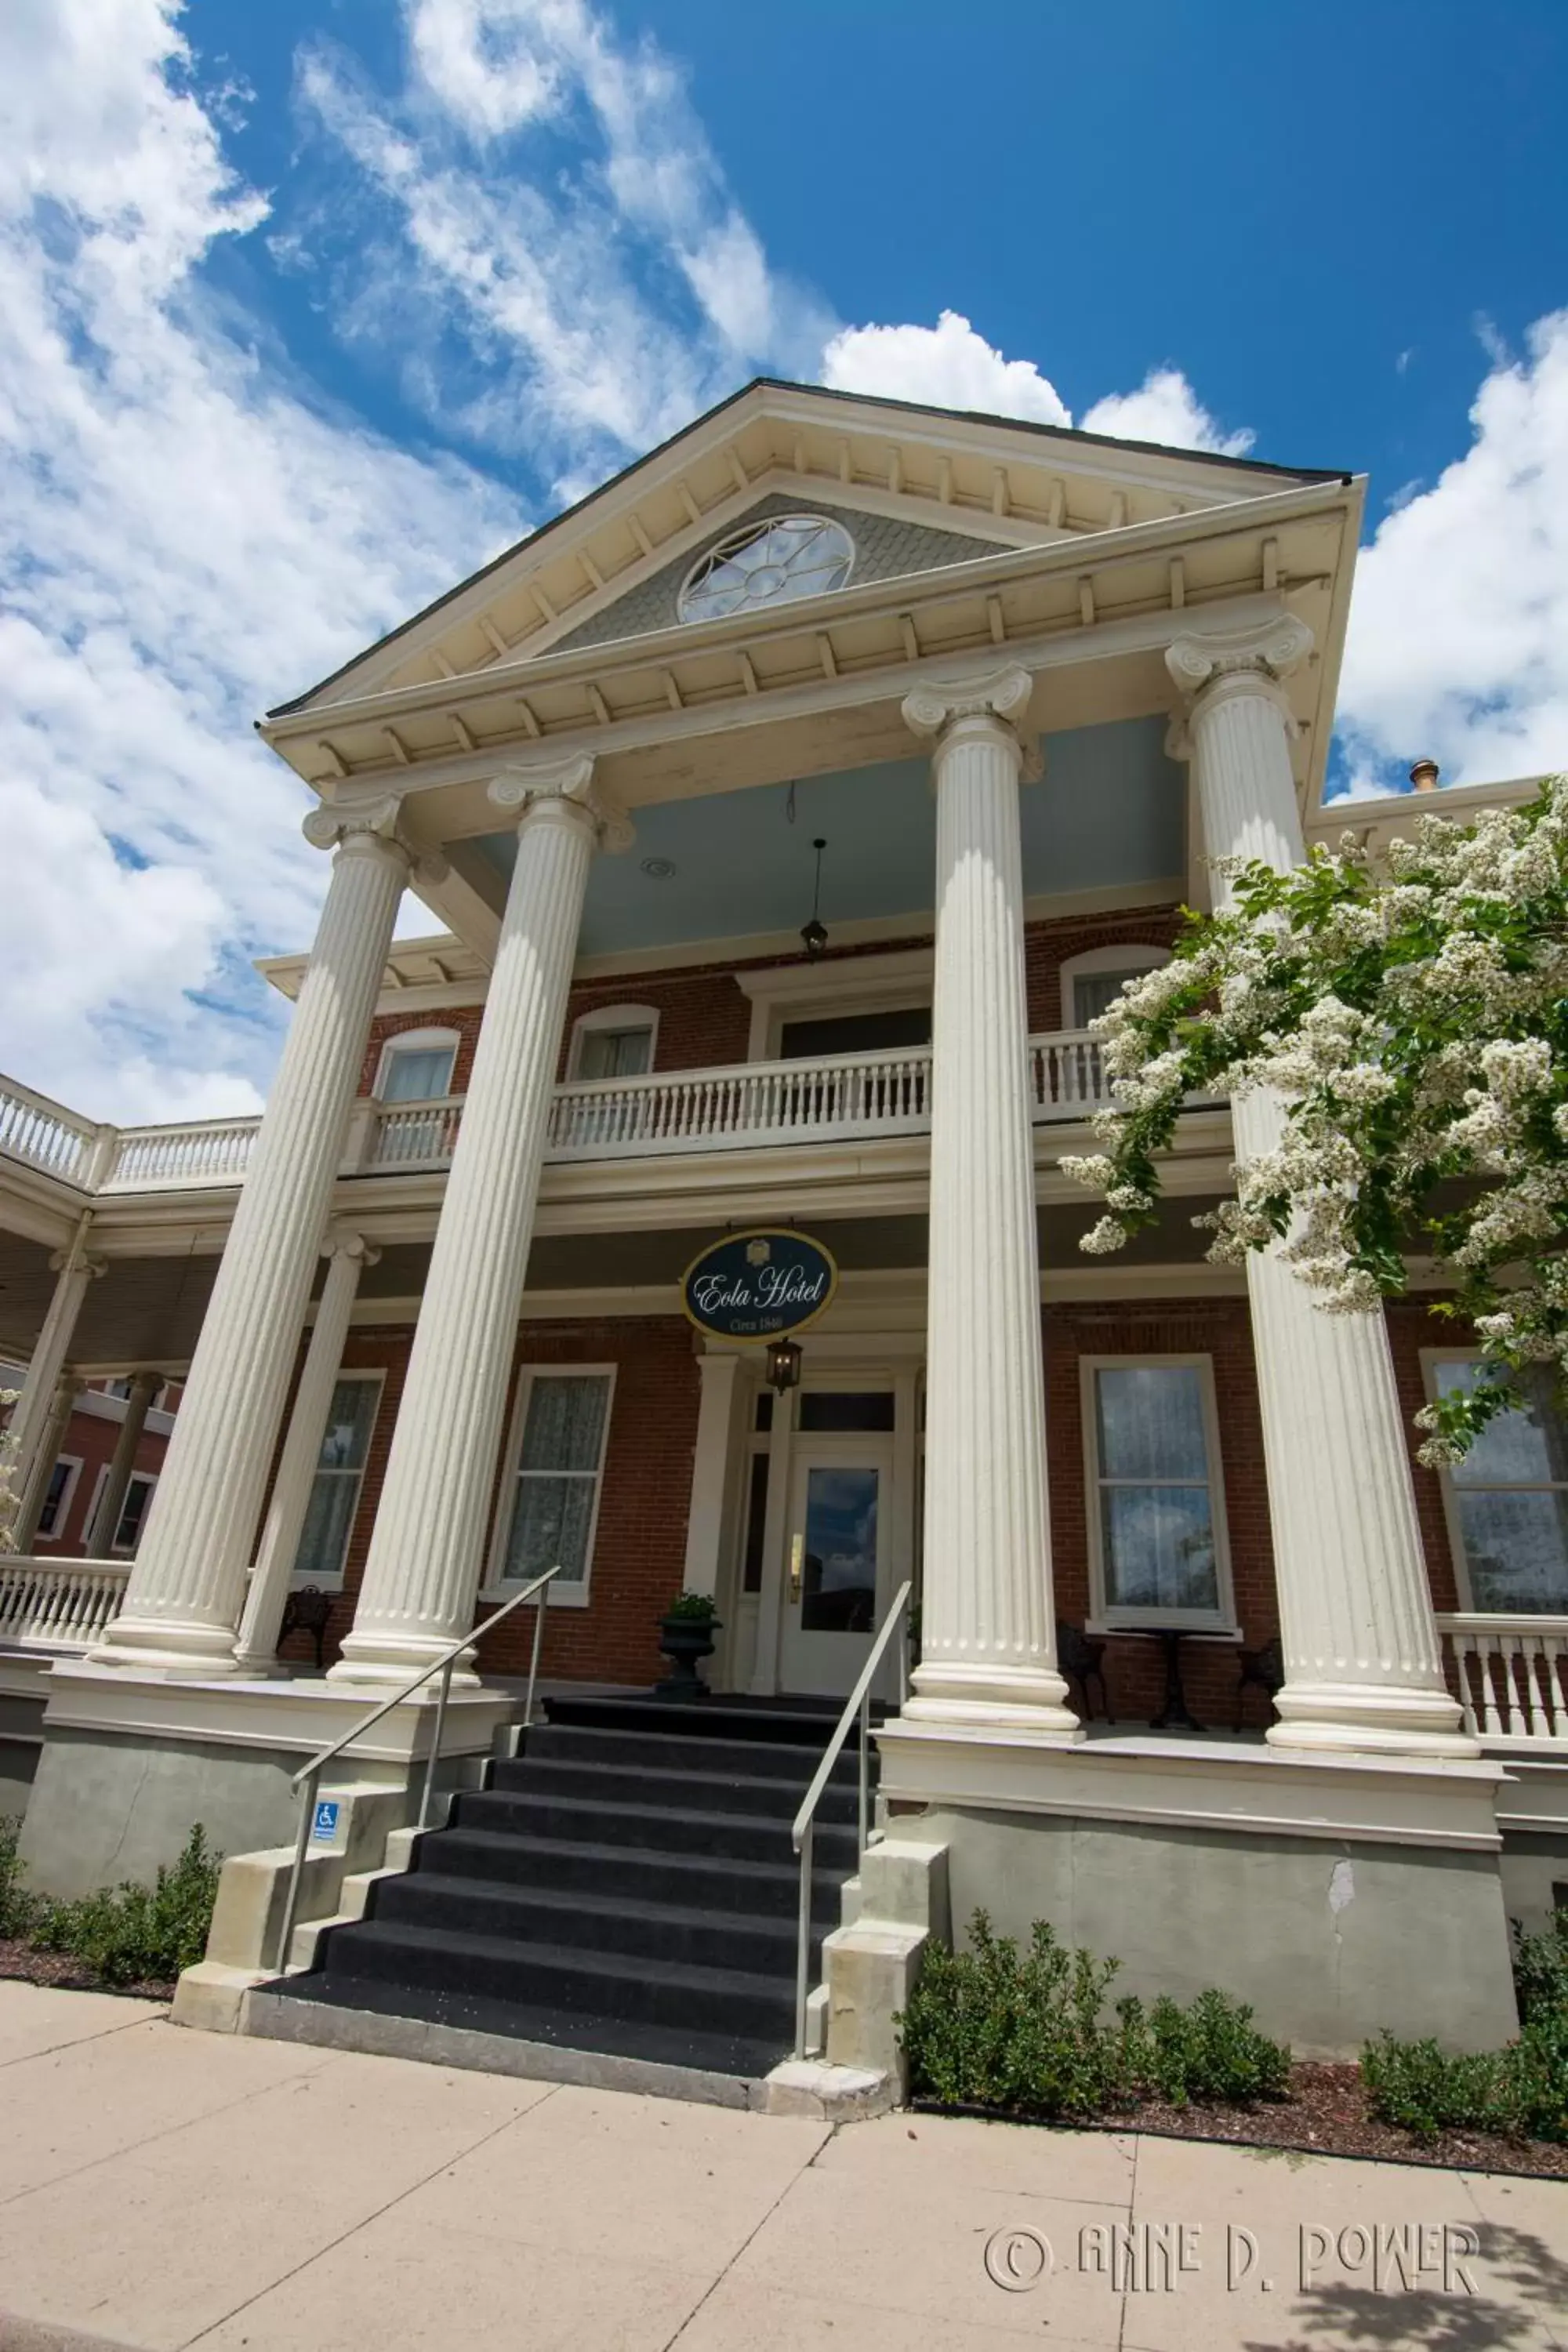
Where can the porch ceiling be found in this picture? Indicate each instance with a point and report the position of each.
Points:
(1109, 813)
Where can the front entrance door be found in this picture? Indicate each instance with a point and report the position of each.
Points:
(835, 1562)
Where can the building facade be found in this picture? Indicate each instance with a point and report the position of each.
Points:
(788, 810)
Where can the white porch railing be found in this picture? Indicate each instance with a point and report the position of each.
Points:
(44, 1133)
(197, 1152)
(57, 1604)
(748, 1105)
(1513, 1676)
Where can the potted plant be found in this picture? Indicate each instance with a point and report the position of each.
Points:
(686, 1634)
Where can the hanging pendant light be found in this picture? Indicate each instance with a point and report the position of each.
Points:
(814, 934)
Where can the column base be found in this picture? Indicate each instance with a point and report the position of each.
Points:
(168, 1648)
(387, 1661)
(1026, 1701)
(1369, 1719)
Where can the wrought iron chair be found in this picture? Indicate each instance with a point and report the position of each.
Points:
(1265, 1669)
(307, 1612)
(1080, 1656)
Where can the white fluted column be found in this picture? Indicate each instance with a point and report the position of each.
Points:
(183, 1603)
(422, 1575)
(987, 1626)
(100, 1544)
(1362, 1663)
(255, 1650)
(74, 1268)
(710, 1480)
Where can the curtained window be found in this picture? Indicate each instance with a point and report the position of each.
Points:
(340, 1474)
(559, 1467)
(1156, 1512)
(1508, 1499)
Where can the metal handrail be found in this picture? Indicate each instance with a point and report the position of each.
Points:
(311, 1773)
(857, 1703)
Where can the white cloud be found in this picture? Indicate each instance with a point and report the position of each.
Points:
(1165, 409)
(947, 366)
(1458, 634)
(950, 365)
(578, 311)
(184, 538)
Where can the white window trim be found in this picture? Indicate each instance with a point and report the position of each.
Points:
(899, 983)
(611, 1016)
(299, 1578)
(1136, 956)
(1103, 1619)
(415, 1041)
(498, 1585)
(148, 1478)
(1430, 1360)
(73, 1463)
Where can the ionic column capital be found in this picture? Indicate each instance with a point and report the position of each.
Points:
(77, 1261)
(341, 1243)
(371, 830)
(1235, 661)
(995, 700)
(564, 788)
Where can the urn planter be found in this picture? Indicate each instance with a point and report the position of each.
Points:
(683, 1640)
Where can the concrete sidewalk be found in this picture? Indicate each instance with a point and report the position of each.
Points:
(163, 2188)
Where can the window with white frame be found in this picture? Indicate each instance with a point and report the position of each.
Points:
(418, 1067)
(1508, 1499)
(550, 1497)
(340, 1475)
(1156, 1509)
(1092, 981)
(57, 1497)
(613, 1041)
(133, 1512)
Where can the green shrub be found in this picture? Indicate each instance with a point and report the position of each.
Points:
(1517, 2093)
(136, 1935)
(1540, 1969)
(1026, 2033)
(19, 1910)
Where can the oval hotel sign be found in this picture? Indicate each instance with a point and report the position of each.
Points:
(758, 1285)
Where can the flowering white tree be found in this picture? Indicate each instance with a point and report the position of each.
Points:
(1410, 1016)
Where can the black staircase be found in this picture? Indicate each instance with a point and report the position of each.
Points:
(627, 1885)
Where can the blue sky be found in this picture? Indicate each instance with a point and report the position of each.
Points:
(310, 306)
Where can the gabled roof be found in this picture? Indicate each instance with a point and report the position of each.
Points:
(998, 480)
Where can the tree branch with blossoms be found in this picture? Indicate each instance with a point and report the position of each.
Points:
(1407, 1017)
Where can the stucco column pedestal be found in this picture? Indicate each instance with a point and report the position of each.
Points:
(988, 1629)
(255, 1652)
(100, 1544)
(1363, 1663)
(422, 1573)
(183, 1603)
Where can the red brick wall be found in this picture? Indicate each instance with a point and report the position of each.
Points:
(92, 1442)
(704, 1015)
(639, 1547)
(1219, 1329)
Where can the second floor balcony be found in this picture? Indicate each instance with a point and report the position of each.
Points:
(741, 1107)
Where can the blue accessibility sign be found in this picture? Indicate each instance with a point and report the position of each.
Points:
(325, 1828)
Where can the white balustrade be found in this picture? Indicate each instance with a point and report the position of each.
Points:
(57, 1604)
(43, 1133)
(196, 1151)
(1511, 1674)
(830, 1100)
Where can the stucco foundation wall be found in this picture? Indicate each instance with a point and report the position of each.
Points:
(21, 1736)
(104, 1807)
(1329, 1942)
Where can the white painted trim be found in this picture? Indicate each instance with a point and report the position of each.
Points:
(68, 1495)
(1135, 956)
(1103, 1617)
(416, 1041)
(1430, 1358)
(611, 1016)
(299, 1578)
(496, 1585)
(847, 985)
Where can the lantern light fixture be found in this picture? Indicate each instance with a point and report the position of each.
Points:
(814, 934)
(783, 1365)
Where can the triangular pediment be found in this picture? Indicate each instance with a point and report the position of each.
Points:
(919, 488)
